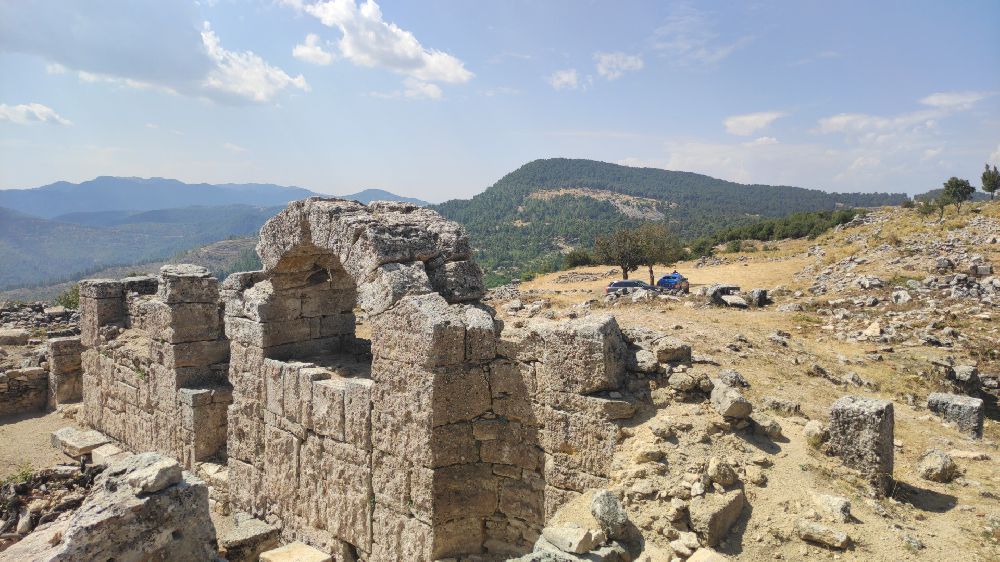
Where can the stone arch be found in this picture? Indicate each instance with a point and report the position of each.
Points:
(324, 424)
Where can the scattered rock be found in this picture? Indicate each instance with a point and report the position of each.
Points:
(937, 466)
(712, 515)
(821, 534)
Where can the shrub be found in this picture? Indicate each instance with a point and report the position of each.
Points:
(577, 258)
(70, 298)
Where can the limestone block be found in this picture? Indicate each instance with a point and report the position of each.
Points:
(14, 336)
(391, 481)
(140, 284)
(480, 335)
(190, 354)
(512, 385)
(269, 334)
(729, 402)
(461, 491)
(520, 499)
(514, 445)
(712, 515)
(186, 283)
(328, 407)
(420, 329)
(460, 395)
(101, 289)
(75, 442)
(390, 282)
(358, 413)
(245, 488)
(583, 355)
(964, 411)
(281, 469)
(861, 434)
(183, 322)
(94, 313)
(400, 537)
(458, 281)
(453, 444)
(586, 443)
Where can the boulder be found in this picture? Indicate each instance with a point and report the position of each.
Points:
(712, 515)
(861, 434)
(937, 466)
(609, 513)
(729, 403)
(836, 508)
(573, 538)
(734, 301)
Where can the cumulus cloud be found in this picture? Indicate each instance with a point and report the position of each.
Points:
(169, 48)
(564, 79)
(955, 100)
(29, 113)
(688, 38)
(615, 65)
(312, 51)
(749, 123)
(368, 40)
(245, 74)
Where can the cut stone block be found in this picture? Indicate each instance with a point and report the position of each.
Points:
(295, 552)
(77, 443)
(106, 454)
(861, 434)
(965, 411)
(247, 539)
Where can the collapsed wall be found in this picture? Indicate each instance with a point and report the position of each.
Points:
(440, 434)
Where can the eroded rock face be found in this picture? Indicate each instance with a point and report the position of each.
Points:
(139, 508)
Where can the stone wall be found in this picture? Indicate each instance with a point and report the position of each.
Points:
(439, 435)
(23, 390)
(149, 342)
(65, 371)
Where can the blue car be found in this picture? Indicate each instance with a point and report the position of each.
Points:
(674, 282)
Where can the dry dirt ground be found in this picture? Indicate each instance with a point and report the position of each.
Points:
(24, 441)
(953, 521)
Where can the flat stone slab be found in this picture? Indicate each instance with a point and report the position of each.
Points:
(77, 443)
(14, 336)
(107, 453)
(295, 552)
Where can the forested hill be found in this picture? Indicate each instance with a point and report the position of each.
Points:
(522, 221)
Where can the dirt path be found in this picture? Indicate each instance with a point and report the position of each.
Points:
(24, 439)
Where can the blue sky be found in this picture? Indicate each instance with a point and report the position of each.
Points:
(438, 99)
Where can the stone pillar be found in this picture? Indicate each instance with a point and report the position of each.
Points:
(191, 328)
(861, 434)
(102, 302)
(65, 371)
(203, 423)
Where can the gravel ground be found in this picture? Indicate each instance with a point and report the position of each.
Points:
(24, 439)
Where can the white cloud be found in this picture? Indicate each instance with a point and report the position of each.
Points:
(169, 48)
(312, 51)
(614, 65)
(564, 79)
(28, 113)
(368, 40)
(955, 100)
(636, 162)
(688, 38)
(234, 148)
(245, 74)
(762, 141)
(749, 123)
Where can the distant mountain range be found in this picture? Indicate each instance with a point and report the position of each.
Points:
(66, 230)
(109, 193)
(523, 222)
(531, 215)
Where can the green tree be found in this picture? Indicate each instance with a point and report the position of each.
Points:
(658, 247)
(957, 191)
(622, 248)
(577, 258)
(991, 180)
(70, 298)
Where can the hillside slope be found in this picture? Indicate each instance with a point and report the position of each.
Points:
(868, 309)
(38, 251)
(526, 216)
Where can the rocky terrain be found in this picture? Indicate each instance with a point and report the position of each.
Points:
(832, 398)
(746, 448)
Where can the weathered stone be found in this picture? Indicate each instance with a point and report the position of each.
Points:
(712, 515)
(721, 472)
(861, 434)
(573, 538)
(608, 512)
(14, 336)
(117, 522)
(815, 433)
(153, 473)
(836, 508)
(964, 411)
(937, 466)
(77, 443)
(821, 534)
(730, 403)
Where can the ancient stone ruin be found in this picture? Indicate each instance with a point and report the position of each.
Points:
(355, 393)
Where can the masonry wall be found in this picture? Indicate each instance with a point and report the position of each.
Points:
(146, 340)
(23, 390)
